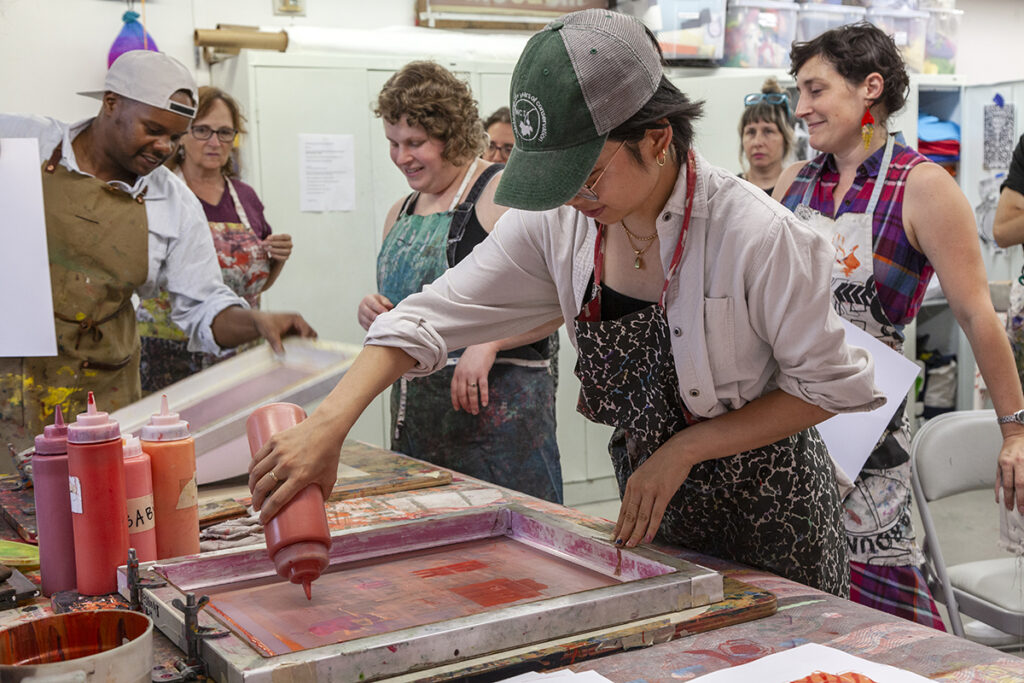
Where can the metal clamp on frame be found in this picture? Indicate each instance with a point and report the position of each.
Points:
(136, 583)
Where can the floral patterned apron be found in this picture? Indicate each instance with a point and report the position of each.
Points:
(878, 521)
(244, 266)
(775, 507)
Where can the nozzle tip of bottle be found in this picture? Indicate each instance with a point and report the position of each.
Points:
(164, 410)
(92, 404)
(58, 416)
(308, 587)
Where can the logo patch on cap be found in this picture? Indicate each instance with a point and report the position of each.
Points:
(529, 118)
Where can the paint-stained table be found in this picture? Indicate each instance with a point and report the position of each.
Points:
(762, 613)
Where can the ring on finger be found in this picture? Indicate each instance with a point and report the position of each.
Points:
(472, 385)
(274, 477)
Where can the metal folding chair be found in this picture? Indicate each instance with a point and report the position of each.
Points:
(956, 453)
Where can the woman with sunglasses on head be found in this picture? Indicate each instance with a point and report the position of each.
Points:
(251, 256)
(699, 308)
(893, 219)
(766, 136)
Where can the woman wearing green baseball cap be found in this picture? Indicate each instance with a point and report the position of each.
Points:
(699, 307)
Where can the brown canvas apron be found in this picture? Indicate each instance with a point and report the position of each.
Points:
(97, 238)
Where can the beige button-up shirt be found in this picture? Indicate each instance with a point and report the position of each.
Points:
(749, 309)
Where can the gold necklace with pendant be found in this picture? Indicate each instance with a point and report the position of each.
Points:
(637, 253)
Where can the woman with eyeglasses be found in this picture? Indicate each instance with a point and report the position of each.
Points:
(500, 139)
(766, 136)
(490, 411)
(251, 256)
(894, 219)
(699, 309)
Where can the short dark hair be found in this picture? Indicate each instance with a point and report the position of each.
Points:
(500, 115)
(667, 102)
(856, 51)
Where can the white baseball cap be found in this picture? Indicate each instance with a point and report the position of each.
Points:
(151, 78)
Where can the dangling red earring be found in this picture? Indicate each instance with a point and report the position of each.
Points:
(867, 128)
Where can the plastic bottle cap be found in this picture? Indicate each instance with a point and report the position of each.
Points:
(93, 426)
(165, 425)
(54, 439)
(132, 447)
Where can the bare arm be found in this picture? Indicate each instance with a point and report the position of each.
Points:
(308, 452)
(763, 421)
(236, 325)
(374, 304)
(939, 222)
(786, 179)
(279, 247)
(1008, 227)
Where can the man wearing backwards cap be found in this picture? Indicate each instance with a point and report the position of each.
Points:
(711, 361)
(118, 222)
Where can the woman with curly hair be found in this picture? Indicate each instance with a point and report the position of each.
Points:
(491, 412)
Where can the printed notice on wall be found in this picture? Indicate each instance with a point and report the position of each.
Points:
(26, 307)
(327, 180)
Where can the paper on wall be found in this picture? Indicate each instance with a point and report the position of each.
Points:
(327, 180)
(26, 304)
(792, 665)
(850, 437)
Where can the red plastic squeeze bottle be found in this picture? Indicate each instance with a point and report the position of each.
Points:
(138, 481)
(297, 537)
(172, 458)
(53, 507)
(97, 493)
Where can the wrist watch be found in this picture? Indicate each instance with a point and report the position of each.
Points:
(1017, 417)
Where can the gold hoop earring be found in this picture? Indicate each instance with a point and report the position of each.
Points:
(663, 158)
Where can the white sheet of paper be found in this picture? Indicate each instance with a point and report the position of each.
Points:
(327, 180)
(851, 436)
(26, 304)
(792, 665)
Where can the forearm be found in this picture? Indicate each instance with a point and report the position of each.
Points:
(275, 269)
(374, 370)
(234, 326)
(764, 421)
(995, 361)
(536, 334)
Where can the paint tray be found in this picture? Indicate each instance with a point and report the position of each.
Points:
(217, 401)
(407, 596)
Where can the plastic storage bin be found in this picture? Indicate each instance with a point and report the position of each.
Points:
(941, 38)
(686, 29)
(907, 28)
(887, 4)
(813, 19)
(759, 33)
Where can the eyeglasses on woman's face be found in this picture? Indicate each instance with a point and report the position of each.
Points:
(204, 133)
(502, 150)
(587, 191)
(769, 97)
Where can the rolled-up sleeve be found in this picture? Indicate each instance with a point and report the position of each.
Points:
(183, 260)
(501, 289)
(790, 276)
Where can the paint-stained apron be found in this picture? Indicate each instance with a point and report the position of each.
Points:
(244, 266)
(775, 507)
(511, 442)
(878, 521)
(98, 242)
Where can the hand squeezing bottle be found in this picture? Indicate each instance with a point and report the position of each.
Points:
(297, 537)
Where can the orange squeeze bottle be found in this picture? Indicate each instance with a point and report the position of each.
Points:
(172, 458)
(298, 537)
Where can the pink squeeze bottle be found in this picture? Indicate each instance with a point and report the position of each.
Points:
(54, 530)
(138, 480)
(298, 537)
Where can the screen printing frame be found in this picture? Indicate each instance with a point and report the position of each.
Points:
(653, 584)
(221, 447)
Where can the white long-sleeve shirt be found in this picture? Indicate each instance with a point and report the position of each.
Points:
(182, 258)
(749, 309)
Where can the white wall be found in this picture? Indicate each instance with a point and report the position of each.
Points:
(50, 49)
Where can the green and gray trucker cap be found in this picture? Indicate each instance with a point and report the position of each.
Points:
(577, 79)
